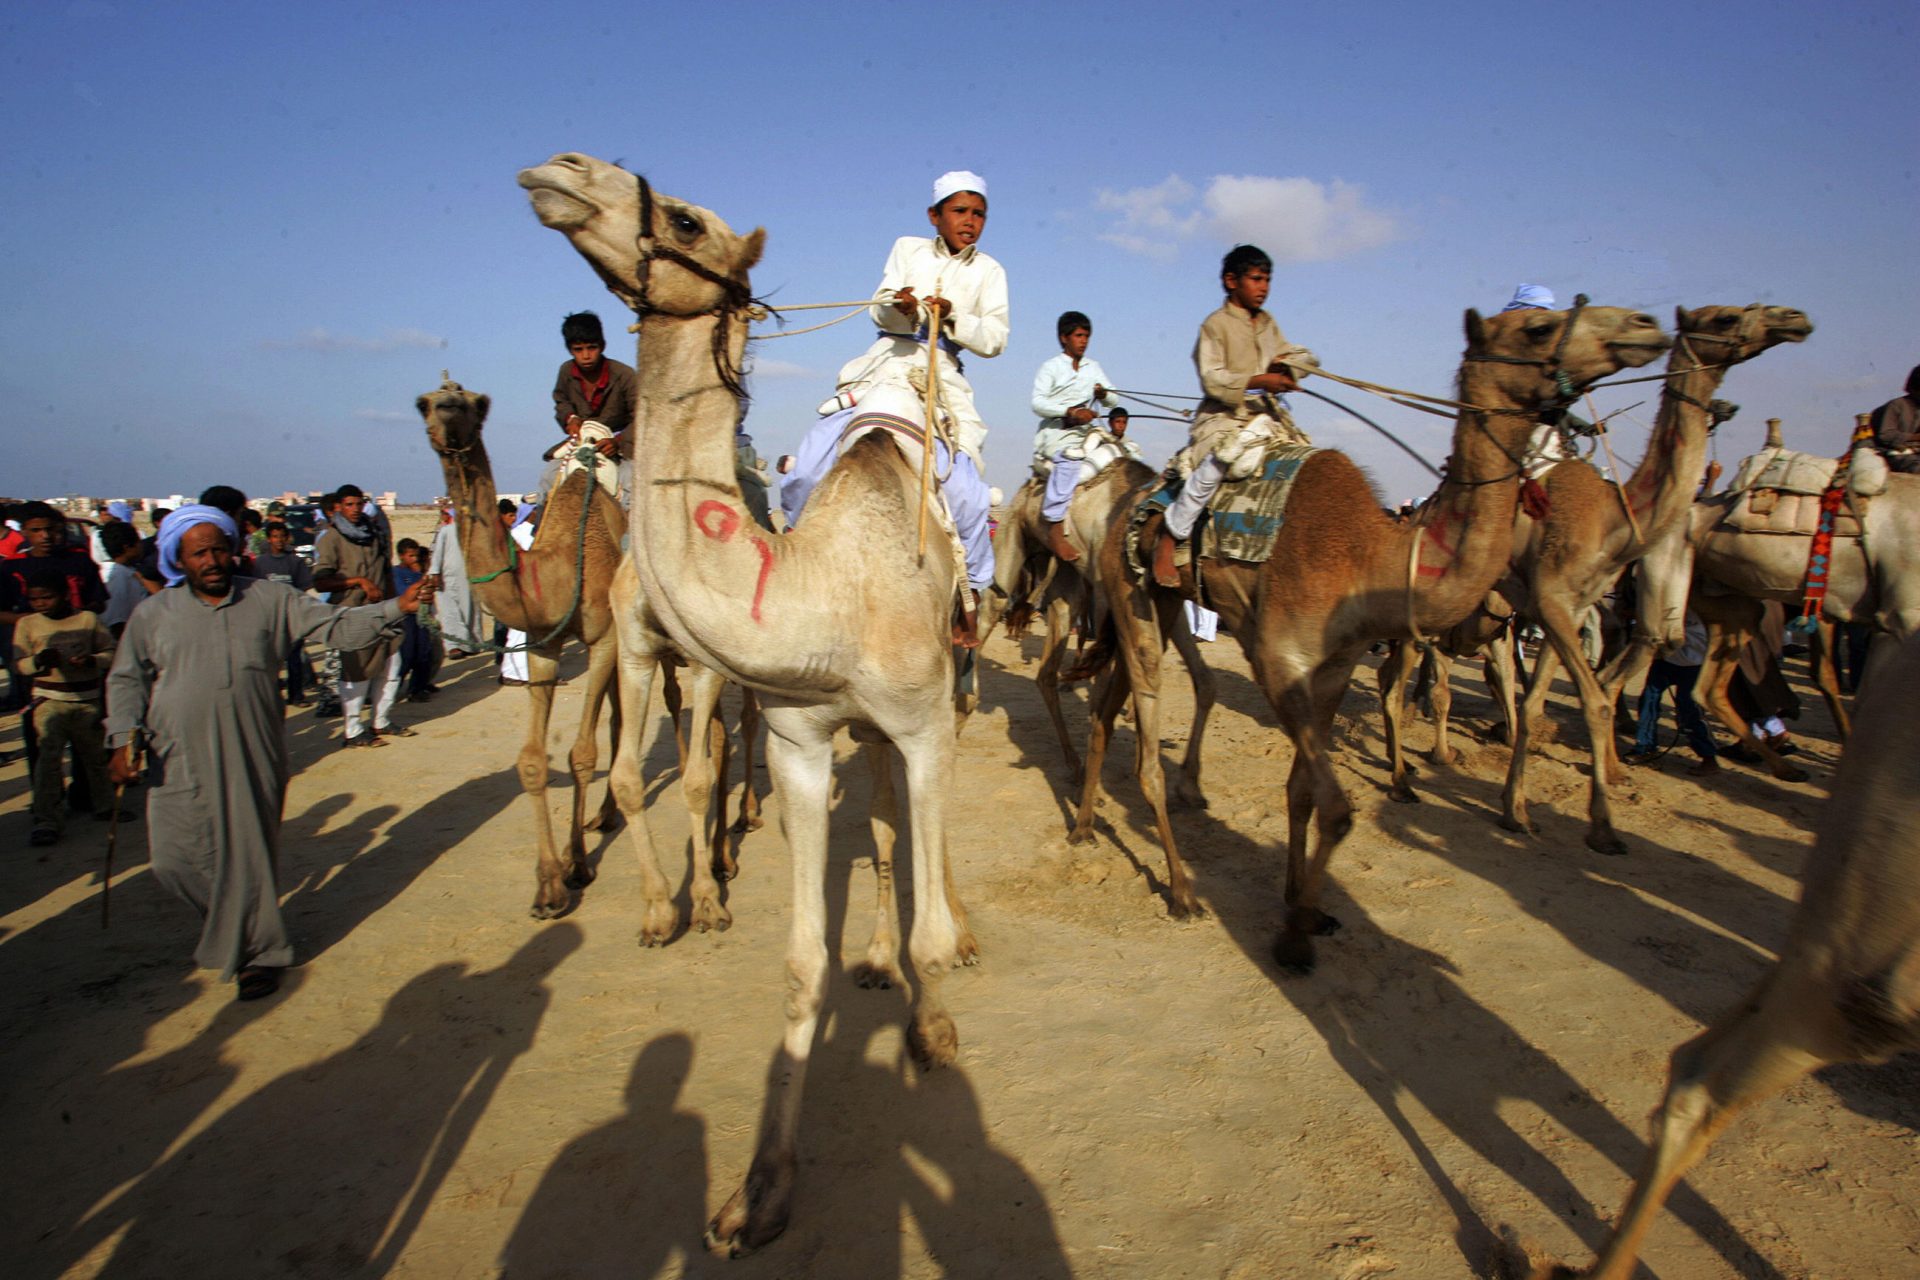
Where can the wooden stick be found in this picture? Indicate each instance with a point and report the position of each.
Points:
(106, 875)
(933, 402)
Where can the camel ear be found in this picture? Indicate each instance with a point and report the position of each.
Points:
(751, 248)
(1680, 318)
(420, 406)
(1476, 330)
(481, 404)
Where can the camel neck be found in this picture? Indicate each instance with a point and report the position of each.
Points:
(706, 567)
(1661, 488)
(483, 542)
(1467, 538)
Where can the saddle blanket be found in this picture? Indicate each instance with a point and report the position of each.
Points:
(1777, 511)
(1244, 517)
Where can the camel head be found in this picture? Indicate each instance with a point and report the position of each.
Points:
(697, 262)
(1526, 353)
(454, 416)
(1728, 335)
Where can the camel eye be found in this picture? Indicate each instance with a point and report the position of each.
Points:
(1539, 331)
(684, 223)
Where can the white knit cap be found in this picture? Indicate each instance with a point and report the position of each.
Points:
(956, 180)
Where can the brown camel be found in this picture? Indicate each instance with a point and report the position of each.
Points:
(1846, 987)
(1724, 576)
(842, 622)
(532, 591)
(1067, 590)
(1342, 574)
(1566, 561)
(548, 593)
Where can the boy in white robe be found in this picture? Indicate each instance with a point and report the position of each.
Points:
(942, 288)
(1068, 393)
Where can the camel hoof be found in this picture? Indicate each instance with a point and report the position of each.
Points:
(1606, 842)
(606, 820)
(757, 1213)
(1403, 794)
(1521, 825)
(1080, 835)
(657, 924)
(725, 868)
(580, 877)
(966, 951)
(1186, 907)
(710, 915)
(744, 824)
(933, 1039)
(877, 977)
(1443, 759)
(543, 910)
(1293, 952)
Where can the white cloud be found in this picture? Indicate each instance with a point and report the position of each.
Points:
(1293, 219)
(779, 369)
(326, 340)
(385, 415)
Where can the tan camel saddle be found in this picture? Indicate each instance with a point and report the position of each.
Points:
(1778, 491)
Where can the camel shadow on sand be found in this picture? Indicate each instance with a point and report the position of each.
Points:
(330, 1168)
(1345, 1001)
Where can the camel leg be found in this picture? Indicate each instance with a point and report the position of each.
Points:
(1498, 669)
(1108, 695)
(1394, 672)
(1440, 701)
(1144, 674)
(607, 818)
(802, 769)
(697, 785)
(881, 968)
(1563, 638)
(1750, 1054)
(552, 898)
(1824, 654)
(670, 693)
(602, 661)
(933, 943)
(1712, 690)
(638, 664)
(1059, 625)
(749, 819)
(1514, 798)
(1186, 785)
(1306, 705)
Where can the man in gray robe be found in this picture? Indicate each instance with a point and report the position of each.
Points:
(454, 608)
(196, 678)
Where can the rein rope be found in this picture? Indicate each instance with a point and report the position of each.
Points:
(583, 455)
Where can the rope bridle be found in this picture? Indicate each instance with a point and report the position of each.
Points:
(736, 298)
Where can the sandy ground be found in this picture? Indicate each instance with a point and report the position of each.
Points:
(447, 1088)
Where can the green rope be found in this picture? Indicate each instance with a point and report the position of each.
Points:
(583, 455)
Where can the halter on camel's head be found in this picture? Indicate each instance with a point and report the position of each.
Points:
(735, 295)
(452, 399)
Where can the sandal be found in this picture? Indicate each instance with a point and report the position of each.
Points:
(396, 731)
(254, 983)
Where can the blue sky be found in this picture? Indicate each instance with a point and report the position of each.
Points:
(242, 238)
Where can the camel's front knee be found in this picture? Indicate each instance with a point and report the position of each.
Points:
(532, 768)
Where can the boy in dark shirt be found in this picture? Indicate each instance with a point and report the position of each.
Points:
(419, 655)
(280, 563)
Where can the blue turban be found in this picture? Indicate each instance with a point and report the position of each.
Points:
(175, 528)
(1529, 297)
(120, 511)
(524, 513)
